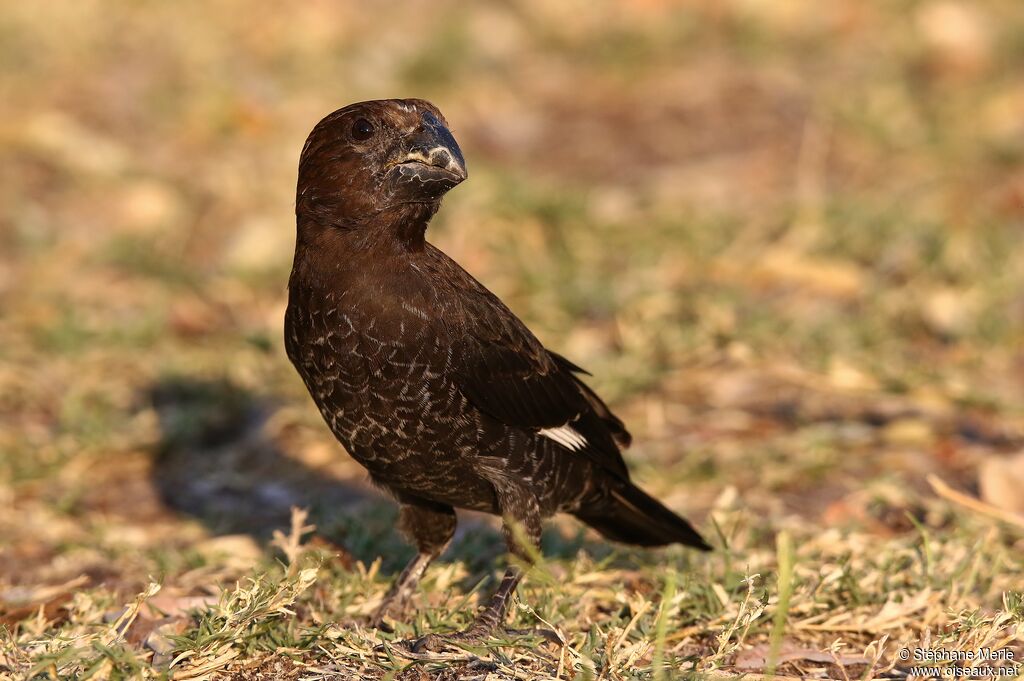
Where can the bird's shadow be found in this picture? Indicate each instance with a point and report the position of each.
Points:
(216, 462)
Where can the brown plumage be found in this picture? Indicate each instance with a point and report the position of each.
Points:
(425, 376)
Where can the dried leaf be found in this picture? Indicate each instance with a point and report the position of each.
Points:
(1001, 480)
(756, 658)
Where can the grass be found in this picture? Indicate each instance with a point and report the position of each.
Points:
(784, 549)
(783, 239)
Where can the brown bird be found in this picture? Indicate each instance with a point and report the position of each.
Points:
(425, 376)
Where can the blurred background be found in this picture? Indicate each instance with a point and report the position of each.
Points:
(784, 236)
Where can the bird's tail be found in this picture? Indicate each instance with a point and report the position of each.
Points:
(632, 516)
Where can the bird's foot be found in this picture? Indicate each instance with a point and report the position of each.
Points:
(477, 634)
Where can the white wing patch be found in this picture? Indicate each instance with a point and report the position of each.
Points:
(565, 436)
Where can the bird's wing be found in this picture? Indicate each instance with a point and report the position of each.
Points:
(504, 371)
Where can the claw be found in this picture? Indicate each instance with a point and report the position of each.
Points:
(431, 642)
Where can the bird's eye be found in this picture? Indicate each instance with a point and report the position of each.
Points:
(362, 130)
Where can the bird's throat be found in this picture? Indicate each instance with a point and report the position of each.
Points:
(322, 251)
(408, 224)
(397, 229)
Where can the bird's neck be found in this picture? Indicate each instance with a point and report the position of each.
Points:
(326, 252)
(399, 229)
(407, 224)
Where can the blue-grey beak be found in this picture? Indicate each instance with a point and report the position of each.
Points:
(433, 155)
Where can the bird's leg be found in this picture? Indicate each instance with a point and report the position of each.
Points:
(492, 617)
(401, 590)
(431, 527)
(522, 523)
(486, 623)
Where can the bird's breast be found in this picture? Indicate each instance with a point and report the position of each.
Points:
(380, 380)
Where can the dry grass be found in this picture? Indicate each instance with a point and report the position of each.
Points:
(783, 236)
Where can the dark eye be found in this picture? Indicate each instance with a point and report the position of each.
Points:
(362, 130)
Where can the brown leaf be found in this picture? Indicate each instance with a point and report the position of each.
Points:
(17, 605)
(53, 610)
(1001, 479)
(175, 606)
(756, 658)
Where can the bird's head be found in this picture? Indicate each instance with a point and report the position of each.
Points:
(377, 157)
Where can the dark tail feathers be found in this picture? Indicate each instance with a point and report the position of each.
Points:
(631, 516)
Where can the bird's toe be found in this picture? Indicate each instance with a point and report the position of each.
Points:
(432, 643)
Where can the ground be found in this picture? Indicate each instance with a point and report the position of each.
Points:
(783, 236)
